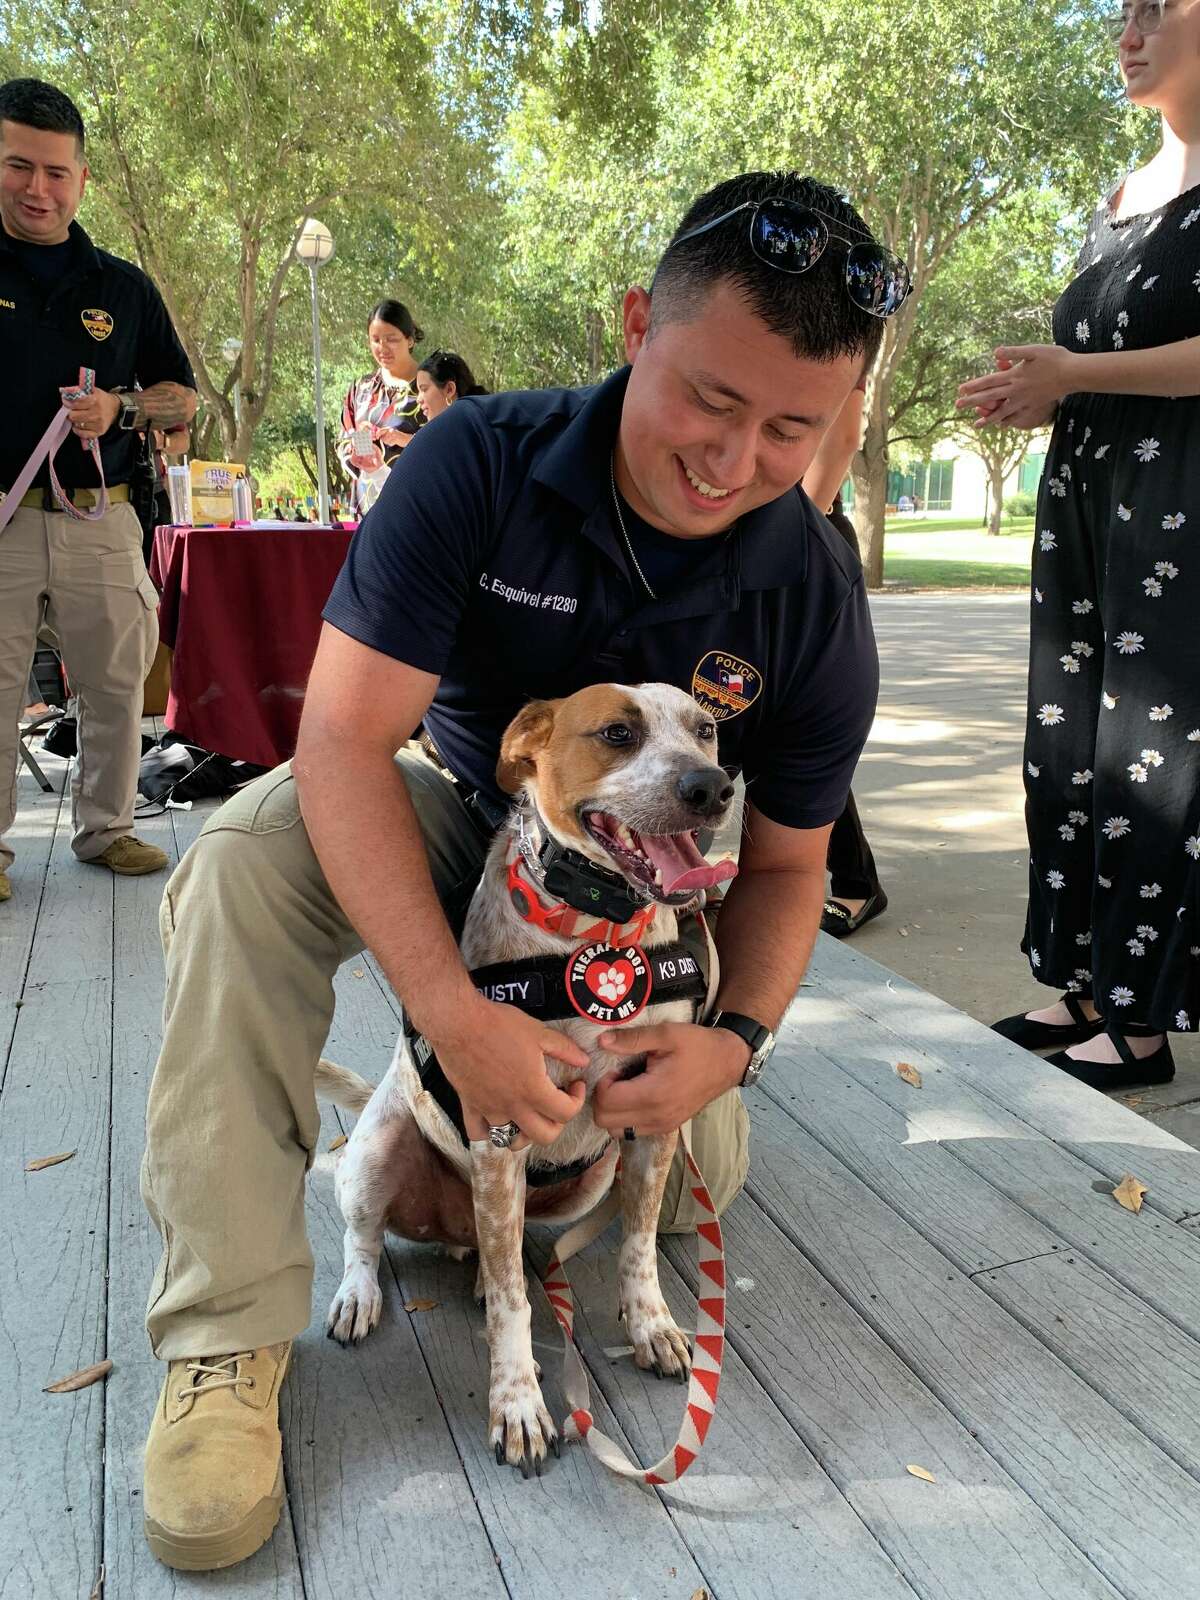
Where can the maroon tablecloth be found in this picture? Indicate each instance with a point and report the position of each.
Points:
(241, 609)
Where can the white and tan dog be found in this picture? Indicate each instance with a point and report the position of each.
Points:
(623, 777)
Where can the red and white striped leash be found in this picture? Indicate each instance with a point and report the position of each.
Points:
(47, 448)
(708, 1353)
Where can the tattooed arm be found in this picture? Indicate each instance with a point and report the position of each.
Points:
(165, 405)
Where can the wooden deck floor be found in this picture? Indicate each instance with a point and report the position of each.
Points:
(935, 1276)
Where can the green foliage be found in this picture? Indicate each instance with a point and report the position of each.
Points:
(1019, 505)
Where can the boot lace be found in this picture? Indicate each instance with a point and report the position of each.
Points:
(220, 1372)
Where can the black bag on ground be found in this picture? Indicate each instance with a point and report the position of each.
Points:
(178, 771)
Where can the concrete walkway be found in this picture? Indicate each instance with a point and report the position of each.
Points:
(939, 791)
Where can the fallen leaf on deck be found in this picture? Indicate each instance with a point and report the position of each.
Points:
(83, 1379)
(1129, 1192)
(48, 1161)
(700, 1594)
(98, 1587)
(903, 932)
(359, 973)
(921, 1472)
(336, 1144)
(420, 1305)
(909, 1073)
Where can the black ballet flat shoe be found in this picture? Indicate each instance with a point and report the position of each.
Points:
(1050, 1035)
(838, 921)
(1128, 1073)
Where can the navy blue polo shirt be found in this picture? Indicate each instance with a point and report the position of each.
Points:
(94, 311)
(492, 559)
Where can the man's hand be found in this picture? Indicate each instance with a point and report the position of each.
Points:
(493, 1055)
(1029, 381)
(93, 415)
(687, 1066)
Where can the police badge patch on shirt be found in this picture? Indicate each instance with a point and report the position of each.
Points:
(725, 685)
(98, 323)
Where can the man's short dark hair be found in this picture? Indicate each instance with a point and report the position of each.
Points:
(810, 309)
(35, 104)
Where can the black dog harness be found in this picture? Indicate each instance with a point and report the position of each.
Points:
(595, 981)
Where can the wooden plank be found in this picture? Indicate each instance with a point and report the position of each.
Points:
(133, 1387)
(873, 1131)
(757, 1507)
(1068, 1448)
(52, 1312)
(377, 1489)
(578, 1530)
(30, 837)
(1154, 1258)
(865, 1416)
(1146, 1367)
(1102, 1133)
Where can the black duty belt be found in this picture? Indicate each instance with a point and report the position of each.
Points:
(539, 987)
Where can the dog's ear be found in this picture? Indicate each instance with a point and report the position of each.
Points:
(527, 734)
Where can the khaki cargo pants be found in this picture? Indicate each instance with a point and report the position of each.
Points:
(85, 581)
(253, 937)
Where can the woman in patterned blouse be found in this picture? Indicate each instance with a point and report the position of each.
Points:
(1112, 745)
(381, 412)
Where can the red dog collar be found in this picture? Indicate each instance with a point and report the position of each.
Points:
(565, 920)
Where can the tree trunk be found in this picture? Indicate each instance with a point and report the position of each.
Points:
(595, 345)
(996, 475)
(870, 494)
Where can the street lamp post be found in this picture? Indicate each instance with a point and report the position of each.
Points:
(315, 247)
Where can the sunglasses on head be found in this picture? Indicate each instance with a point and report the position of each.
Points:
(1146, 17)
(792, 238)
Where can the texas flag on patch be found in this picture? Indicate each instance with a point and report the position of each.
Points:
(733, 681)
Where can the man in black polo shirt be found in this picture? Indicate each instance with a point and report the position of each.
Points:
(525, 545)
(66, 305)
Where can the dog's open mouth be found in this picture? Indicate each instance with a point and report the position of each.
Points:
(668, 864)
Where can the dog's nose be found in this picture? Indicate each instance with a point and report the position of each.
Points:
(705, 790)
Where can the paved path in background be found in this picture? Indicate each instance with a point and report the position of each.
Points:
(939, 791)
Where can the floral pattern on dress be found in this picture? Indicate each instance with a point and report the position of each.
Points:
(1115, 645)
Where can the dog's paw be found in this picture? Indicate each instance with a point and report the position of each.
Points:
(520, 1429)
(658, 1345)
(355, 1308)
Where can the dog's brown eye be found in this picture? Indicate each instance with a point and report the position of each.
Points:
(616, 733)
(706, 730)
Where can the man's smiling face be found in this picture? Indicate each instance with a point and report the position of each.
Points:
(42, 179)
(720, 415)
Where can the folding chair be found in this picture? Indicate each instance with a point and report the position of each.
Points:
(27, 727)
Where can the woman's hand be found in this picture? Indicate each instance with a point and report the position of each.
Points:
(393, 436)
(367, 463)
(1025, 389)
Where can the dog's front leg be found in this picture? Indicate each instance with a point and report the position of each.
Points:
(657, 1342)
(520, 1428)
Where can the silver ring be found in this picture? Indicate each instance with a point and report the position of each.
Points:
(503, 1136)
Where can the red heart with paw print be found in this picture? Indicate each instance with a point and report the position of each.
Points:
(610, 982)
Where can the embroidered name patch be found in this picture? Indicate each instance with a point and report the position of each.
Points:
(725, 685)
(607, 985)
(530, 991)
(98, 323)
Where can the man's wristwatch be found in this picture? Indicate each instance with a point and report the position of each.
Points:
(127, 416)
(759, 1037)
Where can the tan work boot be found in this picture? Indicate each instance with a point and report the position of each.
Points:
(214, 1459)
(130, 857)
(5, 886)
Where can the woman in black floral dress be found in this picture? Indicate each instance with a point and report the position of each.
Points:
(1112, 747)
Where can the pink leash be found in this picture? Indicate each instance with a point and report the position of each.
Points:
(47, 448)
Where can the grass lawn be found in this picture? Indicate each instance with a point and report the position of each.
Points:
(930, 554)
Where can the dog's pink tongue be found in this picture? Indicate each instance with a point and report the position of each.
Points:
(681, 864)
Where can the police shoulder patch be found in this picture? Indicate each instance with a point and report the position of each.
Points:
(725, 685)
(98, 323)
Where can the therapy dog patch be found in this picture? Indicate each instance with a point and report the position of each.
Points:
(607, 985)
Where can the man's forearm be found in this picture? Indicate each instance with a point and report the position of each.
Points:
(367, 838)
(164, 405)
(765, 935)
